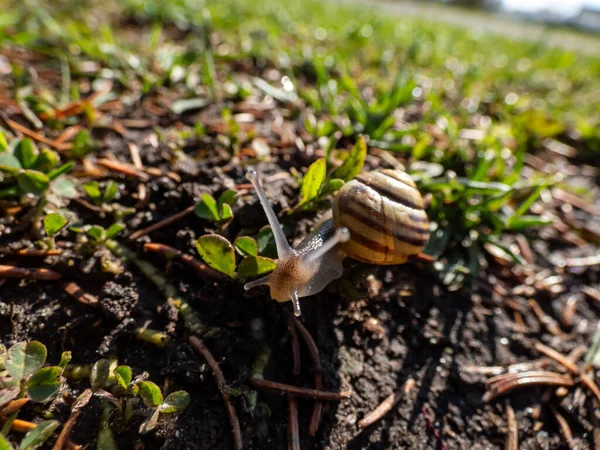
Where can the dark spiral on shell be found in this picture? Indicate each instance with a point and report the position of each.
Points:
(385, 214)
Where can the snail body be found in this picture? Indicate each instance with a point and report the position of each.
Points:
(377, 218)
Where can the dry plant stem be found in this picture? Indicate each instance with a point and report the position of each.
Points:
(30, 274)
(583, 262)
(154, 337)
(592, 293)
(525, 248)
(558, 357)
(591, 385)
(163, 223)
(298, 391)
(512, 435)
(63, 437)
(499, 370)
(313, 350)
(34, 135)
(506, 383)
(293, 428)
(123, 168)
(22, 426)
(385, 406)
(79, 294)
(13, 406)
(191, 318)
(568, 312)
(171, 252)
(137, 162)
(550, 324)
(295, 346)
(565, 430)
(595, 424)
(36, 252)
(220, 379)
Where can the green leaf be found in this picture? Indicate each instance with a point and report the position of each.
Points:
(312, 181)
(25, 358)
(47, 161)
(253, 266)
(95, 231)
(81, 144)
(175, 402)
(331, 186)
(5, 444)
(188, 104)
(60, 171)
(526, 204)
(218, 253)
(33, 182)
(123, 375)
(227, 197)
(44, 384)
(38, 435)
(53, 223)
(266, 242)
(246, 246)
(26, 152)
(9, 164)
(92, 189)
(110, 191)
(226, 213)
(8, 394)
(65, 359)
(150, 394)
(113, 230)
(525, 222)
(354, 163)
(3, 143)
(63, 187)
(100, 373)
(207, 208)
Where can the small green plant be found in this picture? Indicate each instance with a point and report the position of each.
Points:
(219, 211)
(97, 195)
(29, 171)
(53, 224)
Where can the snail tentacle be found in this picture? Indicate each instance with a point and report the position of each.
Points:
(296, 303)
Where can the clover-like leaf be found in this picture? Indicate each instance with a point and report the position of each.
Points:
(47, 161)
(123, 375)
(81, 144)
(266, 242)
(150, 394)
(110, 191)
(95, 231)
(312, 181)
(246, 246)
(25, 358)
(114, 229)
(44, 384)
(92, 189)
(175, 402)
(354, 163)
(38, 435)
(10, 164)
(26, 152)
(207, 208)
(53, 223)
(217, 252)
(63, 187)
(100, 373)
(33, 182)
(255, 265)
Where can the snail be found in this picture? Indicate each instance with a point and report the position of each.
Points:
(378, 218)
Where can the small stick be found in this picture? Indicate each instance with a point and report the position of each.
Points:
(591, 385)
(526, 379)
(220, 379)
(595, 424)
(565, 430)
(171, 252)
(79, 294)
(385, 406)
(550, 324)
(313, 350)
(512, 435)
(566, 317)
(63, 437)
(433, 428)
(137, 162)
(32, 274)
(298, 391)
(558, 357)
(592, 293)
(13, 406)
(68, 134)
(121, 167)
(163, 223)
(295, 346)
(525, 248)
(583, 262)
(23, 426)
(499, 370)
(567, 197)
(37, 252)
(34, 135)
(293, 428)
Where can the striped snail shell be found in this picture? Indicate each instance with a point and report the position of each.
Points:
(383, 210)
(378, 218)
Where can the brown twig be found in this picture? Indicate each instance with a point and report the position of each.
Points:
(121, 167)
(512, 435)
(13, 406)
(499, 370)
(137, 163)
(34, 135)
(385, 406)
(171, 252)
(163, 223)
(568, 312)
(571, 199)
(502, 384)
(298, 391)
(595, 424)
(313, 350)
(293, 428)
(550, 324)
(295, 346)
(583, 262)
(431, 427)
(592, 293)
(38, 252)
(558, 357)
(29, 273)
(63, 437)
(79, 294)
(220, 379)
(565, 430)
(591, 385)
(525, 249)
